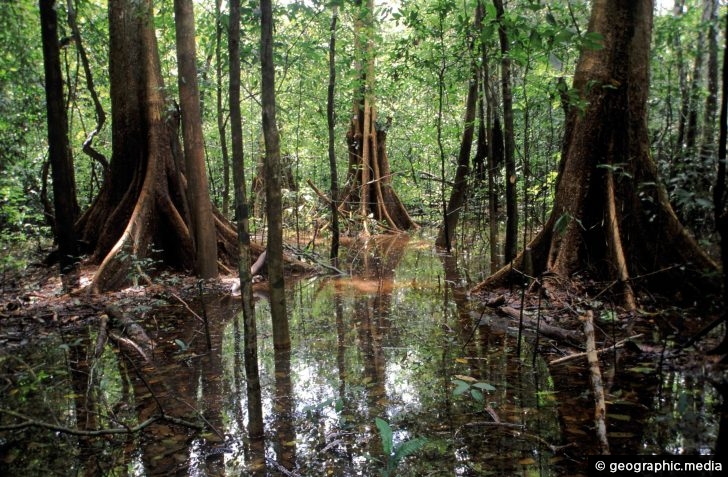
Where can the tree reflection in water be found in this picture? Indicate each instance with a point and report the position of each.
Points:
(386, 342)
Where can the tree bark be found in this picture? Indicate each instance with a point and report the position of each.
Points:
(370, 189)
(198, 194)
(331, 120)
(59, 151)
(141, 219)
(250, 333)
(720, 209)
(495, 158)
(611, 217)
(219, 115)
(460, 188)
(281, 337)
(511, 245)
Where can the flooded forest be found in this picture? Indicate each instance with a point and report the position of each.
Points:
(361, 238)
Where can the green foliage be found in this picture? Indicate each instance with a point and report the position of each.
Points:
(140, 268)
(476, 389)
(419, 44)
(394, 454)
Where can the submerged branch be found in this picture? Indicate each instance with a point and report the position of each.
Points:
(600, 406)
(618, 344)
(28, 421)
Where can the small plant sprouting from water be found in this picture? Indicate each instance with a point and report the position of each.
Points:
(464, 384)
(395, 453)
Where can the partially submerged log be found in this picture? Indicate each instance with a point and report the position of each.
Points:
(132, 334)
(554, 332)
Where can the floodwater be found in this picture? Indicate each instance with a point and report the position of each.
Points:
(394, 350)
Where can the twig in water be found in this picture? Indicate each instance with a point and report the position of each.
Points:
(616, 345)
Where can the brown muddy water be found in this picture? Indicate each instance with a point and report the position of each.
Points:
(391, 351)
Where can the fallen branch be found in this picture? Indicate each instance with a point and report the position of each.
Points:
(494, 424)
(618, 344)
(131, 344)
(312, 258)
(600, 406)
(327, 200)
(544, 329)
(187, 307)
(129, 327)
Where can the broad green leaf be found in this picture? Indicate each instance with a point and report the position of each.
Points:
(386, 434)
(462, 386)
(408, 448)
(477, 395)
(484, 386)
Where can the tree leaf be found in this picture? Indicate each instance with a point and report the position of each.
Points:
(408, 448)
(462, 386)
(477, 395)
(385, 434)
(484, 386)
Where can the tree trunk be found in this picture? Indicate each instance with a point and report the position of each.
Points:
(198, 194)
(460, 188)
(370, 189)
(331, 120)
(220, 116)
(59, 151)
(691, 131)
(511, 245)
(281, 337)
(495, 159)
(611, 217)
(250, 333)
(720, 191)
(677, 12)
(141, 218)
(98, 108)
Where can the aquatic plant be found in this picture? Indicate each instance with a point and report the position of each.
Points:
(394, 454)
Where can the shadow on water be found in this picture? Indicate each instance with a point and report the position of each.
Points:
(397, 340)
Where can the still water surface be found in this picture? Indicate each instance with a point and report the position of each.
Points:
(396, 340)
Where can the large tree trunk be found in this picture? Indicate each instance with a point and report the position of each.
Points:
(720, 191)
(369, 179)
(198, 194)
(141, 214)
(59, 150)
(611, 217)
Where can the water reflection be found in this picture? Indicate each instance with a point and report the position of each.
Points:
(391, 341)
